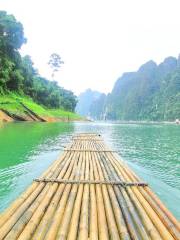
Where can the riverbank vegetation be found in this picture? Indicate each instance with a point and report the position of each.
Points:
(22, 107)
(20, 82)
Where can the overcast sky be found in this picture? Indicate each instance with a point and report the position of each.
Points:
(97, 39)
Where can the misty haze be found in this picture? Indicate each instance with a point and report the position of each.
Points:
(89, 120)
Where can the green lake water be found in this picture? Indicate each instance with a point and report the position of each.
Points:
(151, 150)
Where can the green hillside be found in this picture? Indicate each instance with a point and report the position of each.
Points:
(24, 107)
(151, 93)
(22, 89)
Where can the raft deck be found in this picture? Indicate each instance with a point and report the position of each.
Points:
(88, 193)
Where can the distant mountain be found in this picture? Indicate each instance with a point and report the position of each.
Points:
(97, 109)
(85, 101)
(151, 93)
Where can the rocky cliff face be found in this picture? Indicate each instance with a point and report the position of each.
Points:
(85, 101)
(151, 93)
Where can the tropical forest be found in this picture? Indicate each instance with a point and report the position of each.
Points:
(22, 90)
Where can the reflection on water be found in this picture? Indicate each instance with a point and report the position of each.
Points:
(27, 149)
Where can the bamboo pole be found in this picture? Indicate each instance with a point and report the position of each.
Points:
(37, 216)
(73, 231)
(113, 230)
(93, 206)
(14, 206)
(151, 213)
(102, 222)
(84, 210)
(126, 209)
(11, 221)
(123, 232)
(84, 221)
(46, 220)
(146, 222)
(173, 229)
(68, 212)
(64, 225)
(164, 214)
(15, 223)
(56, 221)
(132, 229)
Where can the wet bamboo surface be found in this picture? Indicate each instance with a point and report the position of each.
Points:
(82, 209)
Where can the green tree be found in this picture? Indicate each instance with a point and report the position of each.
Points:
(55, 63)
(18, 73)
(11, 39)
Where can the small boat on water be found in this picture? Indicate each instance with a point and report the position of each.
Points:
(177, 121)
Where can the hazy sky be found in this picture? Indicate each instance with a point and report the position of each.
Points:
(97, 39)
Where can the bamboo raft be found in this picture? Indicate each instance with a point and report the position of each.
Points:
(88, 193)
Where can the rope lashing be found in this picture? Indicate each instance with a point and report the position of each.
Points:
(88, 150)
(87, 139)
(67, 181)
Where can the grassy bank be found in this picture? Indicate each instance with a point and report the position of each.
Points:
(24, 107)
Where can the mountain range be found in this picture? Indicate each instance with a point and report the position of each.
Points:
(85, 101)
(150, 93)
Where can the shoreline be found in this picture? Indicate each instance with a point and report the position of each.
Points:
(22, 108)
(7, 117)
(136, 122)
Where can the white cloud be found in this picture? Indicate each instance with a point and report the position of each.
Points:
(97, 39)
